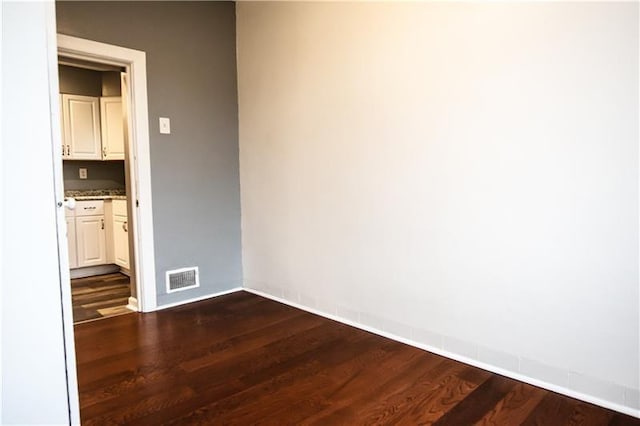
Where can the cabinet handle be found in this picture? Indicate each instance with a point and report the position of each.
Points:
(101, 223)
(104, 152)
(124, 226)
(68, 151)
(63, 154)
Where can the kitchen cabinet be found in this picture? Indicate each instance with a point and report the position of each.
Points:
(112, 128)
(98, 234)
(120, 234)
(90, 233)
(81, 127)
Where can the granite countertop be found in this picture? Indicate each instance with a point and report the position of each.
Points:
(97, 194)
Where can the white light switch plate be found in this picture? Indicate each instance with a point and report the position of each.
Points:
(82, 173)
(165, 125)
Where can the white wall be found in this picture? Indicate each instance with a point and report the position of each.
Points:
(34, 389)
(461, 175)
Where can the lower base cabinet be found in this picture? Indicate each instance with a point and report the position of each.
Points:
(90, 242)
(121, 241)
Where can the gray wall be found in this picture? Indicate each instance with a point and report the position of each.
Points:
(111, 83)
(100, 175)
(191, 78)
(81, 81)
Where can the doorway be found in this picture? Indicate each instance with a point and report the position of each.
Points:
(96, 184)
(128, 216)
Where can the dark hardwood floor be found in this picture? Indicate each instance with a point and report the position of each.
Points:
(242, 359)
(100, 296)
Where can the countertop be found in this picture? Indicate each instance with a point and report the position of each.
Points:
(97, 194)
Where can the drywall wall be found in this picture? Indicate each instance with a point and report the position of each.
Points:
(83, 81)
(79, 81)
(111, 85)
(191, 77)
(100, 175)
(34, 388)
(461, 175)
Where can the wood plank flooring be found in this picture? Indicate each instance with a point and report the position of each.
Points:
(100, 296)
(242, 359)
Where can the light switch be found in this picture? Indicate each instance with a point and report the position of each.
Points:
(83, 173)
(165, 125)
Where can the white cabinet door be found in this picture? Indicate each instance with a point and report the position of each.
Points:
(81, 118)
(90, 236)
(71, 241)
(121, 241)
(112, 128)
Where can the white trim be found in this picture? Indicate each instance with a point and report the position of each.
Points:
(638, 283)
(140, 167)
(133, 304)
(61, 223)
(199, 298)
(177, 271)
(470, 361)
(2, 196)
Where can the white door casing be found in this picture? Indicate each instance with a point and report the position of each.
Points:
(57, 142)
(140, 223)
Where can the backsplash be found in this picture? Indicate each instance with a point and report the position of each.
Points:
(96, 194)
(100, 175)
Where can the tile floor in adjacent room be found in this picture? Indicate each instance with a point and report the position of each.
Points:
(100, 296)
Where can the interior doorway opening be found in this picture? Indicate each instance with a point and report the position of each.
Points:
(95, 161)
(109, 134)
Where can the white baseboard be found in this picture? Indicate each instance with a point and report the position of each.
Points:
(461, 358)
(133, 304)
(198, 299)
(93, 270)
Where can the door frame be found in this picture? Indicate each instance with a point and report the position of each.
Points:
(134, 62)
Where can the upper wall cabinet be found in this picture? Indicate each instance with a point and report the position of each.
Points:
(92, 128)
(112, 128)
(81, 127)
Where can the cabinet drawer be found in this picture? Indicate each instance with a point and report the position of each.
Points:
(120, 208)
(89, 208)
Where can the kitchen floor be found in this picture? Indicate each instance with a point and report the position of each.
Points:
(100, 296)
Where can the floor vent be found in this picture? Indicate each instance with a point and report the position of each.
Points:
(182, 279)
